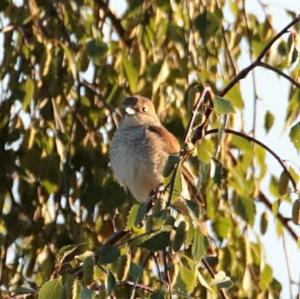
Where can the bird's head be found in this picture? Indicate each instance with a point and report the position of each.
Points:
(139, 111)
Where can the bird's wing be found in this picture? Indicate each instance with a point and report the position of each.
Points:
(169, 140)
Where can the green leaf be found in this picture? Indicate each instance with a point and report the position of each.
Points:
(187, 279)
(222, 105)
(207, 24)
(222, 226)
(136, 271)
(222, 281)
(199, 247)
(108, 254)
(295, 136)
(296, 212)
(71, 61)
(245, 207)
(76, 289)
(132, 216)
(170, 165)
(88, 270)
(158, 242)
(136, 215)
(29, 89)
(96, 49)
(158, 295)
(110, 282)
(269, 121)
(193, 207)
(265, 277)
(142, 211)
(24, 290)
(219, 172)
(52, 289)
(179, 236)
(263, 223)
(132, 73)
(235, 97)
(283, 183)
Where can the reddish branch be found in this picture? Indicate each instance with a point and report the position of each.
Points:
(244, 72)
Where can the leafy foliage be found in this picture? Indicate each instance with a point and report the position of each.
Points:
(67, 229)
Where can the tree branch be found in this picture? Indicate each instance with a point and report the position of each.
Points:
(285, 222)
(115, 22)
(279, 72)
(252, 139)
(244, 72)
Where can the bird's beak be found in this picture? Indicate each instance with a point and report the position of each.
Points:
(130, 110)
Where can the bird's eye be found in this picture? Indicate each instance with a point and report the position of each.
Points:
(144, 109)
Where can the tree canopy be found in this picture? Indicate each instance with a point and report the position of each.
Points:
(67, 229)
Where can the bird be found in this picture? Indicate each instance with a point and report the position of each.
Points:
(140, 148)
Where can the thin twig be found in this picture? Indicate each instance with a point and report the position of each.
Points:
(279, 72)
(201, 97)
(285, 222)
(287, 265)
(167, 273)
(255, 96)
(245, 136)
(244, 72)
(212, 274)
(132, 295)
(157, 267)
(137, 285)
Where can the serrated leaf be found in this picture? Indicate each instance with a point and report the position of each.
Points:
(142, 211)
(108, 254)
(52, 289)
(283, 183)
(269, 121)
(170, 165)
(110, 283)
(222, 105)
(88, 270)
(158, 242)
(296, 212)
(295, 136)
(131, 218)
